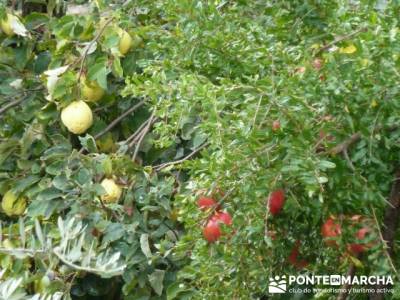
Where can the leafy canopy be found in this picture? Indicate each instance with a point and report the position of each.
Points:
(189, 111)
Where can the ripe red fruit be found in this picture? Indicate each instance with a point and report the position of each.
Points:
(205, 203)
(357, 248)
(362, 233)
(329, 230)
(294, 255)
(276, 125)
(317, 63)
(276, 201)
(212, 232)
(222, 217)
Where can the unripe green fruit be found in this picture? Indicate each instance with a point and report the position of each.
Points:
(91, 90)
(106, 143)
(41, 285)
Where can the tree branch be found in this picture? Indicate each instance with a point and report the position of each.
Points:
(356, 137)
(19, 101)
(83, 57)
(345, 287)
(384, 243)
(11, 105)
(119, 119)
(133, 138)
(142, 135)
(167, 164)
(341, 38)
(346, 144)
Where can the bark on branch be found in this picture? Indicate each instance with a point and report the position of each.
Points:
(346, 287)
(356, 137)
(342, 38)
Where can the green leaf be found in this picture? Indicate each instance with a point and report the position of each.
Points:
(22, 184)
(57, 152)
(156, 281)
(55, 168)
(49, 194)
(117, 68)
(84, 176)
(7, 148)
(113, 232)
(42, 62)
(88, 143)
(98, 72)
(324, 164)
(62, 183)
(144, 245)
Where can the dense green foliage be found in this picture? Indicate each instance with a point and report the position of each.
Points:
(213, 77)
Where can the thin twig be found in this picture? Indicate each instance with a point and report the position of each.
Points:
(356, 137)
(119, 119)
(172, 230)
(346, 144)
(167, 164)
(347, 157)
(341, 39)
(142, 135)
(29, 252)
(385, 246)
(133, 138)
(216, 206)
(19, 101)
(389, 224)
(109, 209)
(12, 104)
(83, 58)
(256, 113)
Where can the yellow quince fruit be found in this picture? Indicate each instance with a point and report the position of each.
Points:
(125, 42)
(77, 117)
(113, 191)
(5, 25)
(13, 206)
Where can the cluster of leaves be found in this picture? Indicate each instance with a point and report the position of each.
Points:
(214, 74)
(59, 174)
